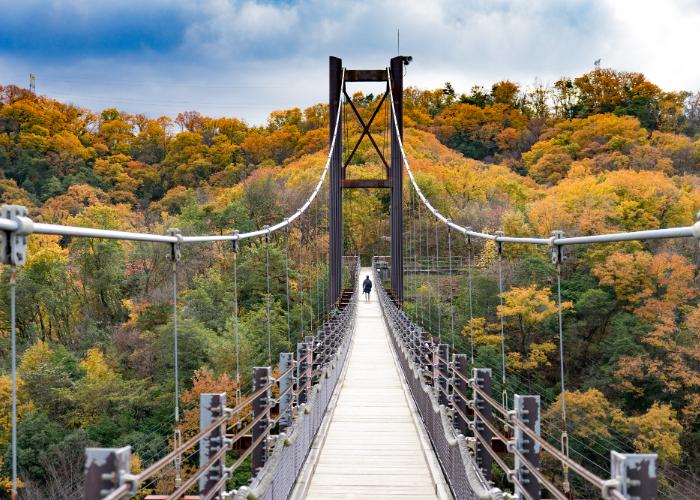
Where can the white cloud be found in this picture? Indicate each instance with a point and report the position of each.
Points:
(248, 57)
(222, 28)
(657, 38)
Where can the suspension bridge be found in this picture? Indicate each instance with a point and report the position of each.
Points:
(372, 402)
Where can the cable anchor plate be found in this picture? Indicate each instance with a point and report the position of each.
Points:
(558, 251)
(175, 247)
(13, 244)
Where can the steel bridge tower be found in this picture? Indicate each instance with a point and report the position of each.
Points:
(393, 168)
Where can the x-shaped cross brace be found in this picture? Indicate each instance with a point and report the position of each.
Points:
(365, 129)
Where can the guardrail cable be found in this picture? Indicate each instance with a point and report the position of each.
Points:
(452, 310)
(174, 257)
(504, 389)
(471, 305)
(236, 339)
(419, 247)
(558, 257)
(286, 283)
(437, 282)
(309, 262)
(13, 348)
(267, 295)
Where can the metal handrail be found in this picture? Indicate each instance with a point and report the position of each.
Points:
(460, 376)
(124, 489)
(282, 393)
(170, 457)
(287, 372)
(459, 393)
(440, 358)
(535, 471)
(609, 487)
(561, 457)
(199, 473)
(494, 404)
(510, 473)
(463, 415)
(497, 433)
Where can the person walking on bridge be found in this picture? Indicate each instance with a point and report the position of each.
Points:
(367, 287)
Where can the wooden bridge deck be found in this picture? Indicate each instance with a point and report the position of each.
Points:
(373, 446)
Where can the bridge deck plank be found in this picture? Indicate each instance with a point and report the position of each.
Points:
(372, 448)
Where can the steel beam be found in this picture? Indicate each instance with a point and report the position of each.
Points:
(335, 203)
(366, 183)
(396, 70)
(365, 75)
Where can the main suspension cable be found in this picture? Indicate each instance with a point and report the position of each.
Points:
(652, 234)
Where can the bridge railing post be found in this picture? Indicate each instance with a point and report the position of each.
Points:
(303, 372)
(286, 389)
(105, 469)
(442, 373)
(482, 380)
(425, 352)
(459, 393)
(414, 344)
(312, 357)
(634, 474)
(261, 410)
(527, 410)
(211, 407)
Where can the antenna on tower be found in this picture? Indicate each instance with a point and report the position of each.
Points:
(32, 83)
(398, 42)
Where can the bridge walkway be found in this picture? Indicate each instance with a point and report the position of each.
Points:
(373, 445)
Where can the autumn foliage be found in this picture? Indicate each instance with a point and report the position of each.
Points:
(607, 151)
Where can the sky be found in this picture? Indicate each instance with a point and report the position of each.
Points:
(245, 58)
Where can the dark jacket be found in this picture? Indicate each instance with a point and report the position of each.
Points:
(367, 285)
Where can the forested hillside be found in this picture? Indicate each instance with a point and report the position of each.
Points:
(607, 151)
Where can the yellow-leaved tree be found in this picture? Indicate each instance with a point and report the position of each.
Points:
(524, 309)
(24, 406)
(658, 431)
